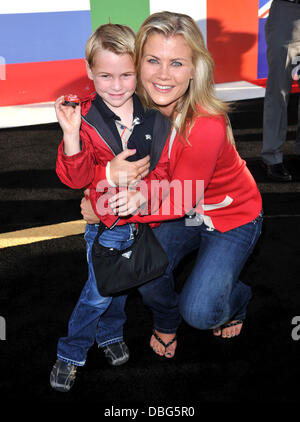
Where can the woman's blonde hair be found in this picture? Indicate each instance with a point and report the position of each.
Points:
(201, 91)
(118, 39)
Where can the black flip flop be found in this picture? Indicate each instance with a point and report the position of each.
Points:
(166, 345)
(229, 324)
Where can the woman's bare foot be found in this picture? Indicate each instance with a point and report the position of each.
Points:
(163, 344)
(229, 330)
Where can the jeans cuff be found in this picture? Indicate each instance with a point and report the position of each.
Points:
(111, 341)
(165, 330)
(72, 362)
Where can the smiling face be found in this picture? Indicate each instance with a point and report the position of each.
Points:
(166, 70)
(114, 78)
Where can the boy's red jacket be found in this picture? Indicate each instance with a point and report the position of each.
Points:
(97, 148)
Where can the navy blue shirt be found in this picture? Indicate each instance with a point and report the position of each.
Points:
(142, 134)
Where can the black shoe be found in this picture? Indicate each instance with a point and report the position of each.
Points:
(62, 376)
(278, 172)
(116, 353)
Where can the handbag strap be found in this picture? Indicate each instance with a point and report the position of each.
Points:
(103, 227)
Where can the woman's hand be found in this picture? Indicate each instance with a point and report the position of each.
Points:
(87, 210)
(69, 119)
(124, 173)
(126, 202)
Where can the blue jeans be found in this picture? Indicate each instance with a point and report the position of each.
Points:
(86, 324)
(213, 293)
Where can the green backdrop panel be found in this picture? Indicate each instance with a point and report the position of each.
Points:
(125, 12)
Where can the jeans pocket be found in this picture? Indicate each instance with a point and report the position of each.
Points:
(120, 237)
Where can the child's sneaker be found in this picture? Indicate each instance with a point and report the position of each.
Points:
(62, 376)
(116, 353)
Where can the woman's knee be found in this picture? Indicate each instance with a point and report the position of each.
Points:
(202, 315)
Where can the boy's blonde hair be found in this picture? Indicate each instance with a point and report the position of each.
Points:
(201, 90)
(118, 39)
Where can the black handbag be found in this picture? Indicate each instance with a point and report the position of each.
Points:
(119, 270)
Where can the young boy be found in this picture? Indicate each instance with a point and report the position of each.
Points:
(109, 122)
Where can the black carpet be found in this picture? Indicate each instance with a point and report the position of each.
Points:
(41, 282)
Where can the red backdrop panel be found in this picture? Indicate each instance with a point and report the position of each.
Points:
(28, 83)
(232, 31)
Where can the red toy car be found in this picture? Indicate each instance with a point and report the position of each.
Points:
(71, 100)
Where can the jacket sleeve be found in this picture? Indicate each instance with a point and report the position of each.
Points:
(77, 171)
(192, 171)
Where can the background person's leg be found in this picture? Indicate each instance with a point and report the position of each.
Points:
(283, 47)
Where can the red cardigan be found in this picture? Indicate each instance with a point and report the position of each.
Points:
(231, 197)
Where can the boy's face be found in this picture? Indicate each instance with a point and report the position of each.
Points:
(114, 77)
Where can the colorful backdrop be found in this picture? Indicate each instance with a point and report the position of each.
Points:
(42, 43)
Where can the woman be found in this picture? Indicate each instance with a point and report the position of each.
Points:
(175, 75)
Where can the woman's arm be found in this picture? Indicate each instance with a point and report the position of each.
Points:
(120, 171)
(91, 210)
(191, 173)
(136, 193)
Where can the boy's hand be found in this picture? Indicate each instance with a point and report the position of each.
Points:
(69, 119)
(124, 173)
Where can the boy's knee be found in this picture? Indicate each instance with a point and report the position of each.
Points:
(97, 301)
